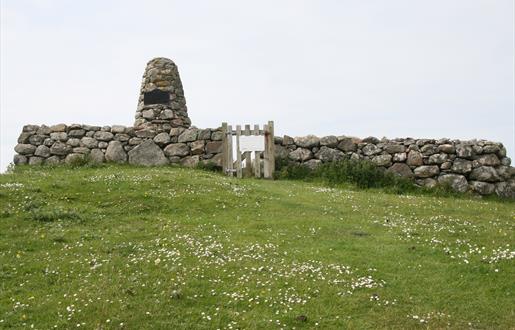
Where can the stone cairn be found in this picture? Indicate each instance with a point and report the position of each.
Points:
(162, 135)
(161, 104)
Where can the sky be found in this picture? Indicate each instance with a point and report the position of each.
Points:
(397, 68)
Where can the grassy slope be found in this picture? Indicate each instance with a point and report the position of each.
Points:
(125, 247)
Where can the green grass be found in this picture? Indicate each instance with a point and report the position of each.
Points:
(172, 248)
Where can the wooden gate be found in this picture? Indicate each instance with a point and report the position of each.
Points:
(251, 166)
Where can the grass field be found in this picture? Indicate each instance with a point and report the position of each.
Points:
(121, 247)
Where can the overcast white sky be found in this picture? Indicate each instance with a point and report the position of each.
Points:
(397, 68)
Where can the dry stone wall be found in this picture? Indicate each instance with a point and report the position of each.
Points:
(479, 166)
(162, 134)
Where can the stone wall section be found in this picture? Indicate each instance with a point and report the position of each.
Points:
(71, 143)
(480, 166)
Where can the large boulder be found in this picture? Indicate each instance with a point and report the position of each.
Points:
(188, 135)
(96, 156)
(461, 166)
(426, 171)
(447, 148)
(330, 141)
(60, 148)
(347, 145)
(115, 152)
(437, 159)
(162, 139)
(483, 188)
(309, 141)
(89, 142)
(455, 181)
(300, 154)
(148, 154)
(488, 160)
(485, 173)
(42, 151)
(326, 154)
(177, 149)
(414, 158)
(382, 160)
(401, 169)
(25, 149)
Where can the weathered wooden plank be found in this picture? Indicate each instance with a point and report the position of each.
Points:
(246, 132)
(230, 162)
(269, 159)
(239, 173)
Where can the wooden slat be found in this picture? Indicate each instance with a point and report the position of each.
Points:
(247, 130)
(257, 155)
(269, 159)
(230, 162)
(239, 173)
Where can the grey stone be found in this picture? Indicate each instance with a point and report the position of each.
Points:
(426, 171)
(60, 148)
(204, 134)
(44, 130)
(42, 151)
(59, 136)
(24, 137)
(197, 147)
(30, 128)
(76, 133)
(456, 181)
(447, 148)
(427, 182)
(214, 147)
(482, 188)
(217, 159)
(309, 141)
(35, 160)
(429, 149)
(118, 129)
(96, 156)
(20, 159)
(505, 161)
(177, 149)
(135, 141)
(330, 141)
(400, 157)
(326, 154)
(102, 144)
(103, 136)
(371, 149)
(488, 160)
(347, 145)
(74, 158)
(145, 133)
(148, 114)
(52, 160)
(414, 158)
(162, 139)
(176, 131)
(281, 152)
(312, 164)
(115, 152)
(288, 140)
(401, 169)
(190, 161)
(167, 114)
(464, 151)
(25, 149)
(462, 166)
(504, 172)
(371, 139)
(58, 128)
(81, 150)
(122, 137)
(37, 139)
(91, 128)
(382, 160)
(491, 149)
(446, 166)
(395, 148)
(148, 154)
(437, 159)
(505, 189)
(485, 173)
(216, 136)
(73, 142)
(300, 154)
(188, 135)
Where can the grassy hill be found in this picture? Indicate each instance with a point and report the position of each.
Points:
(134, 248)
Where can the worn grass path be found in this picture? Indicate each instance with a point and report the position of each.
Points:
(135, 248)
